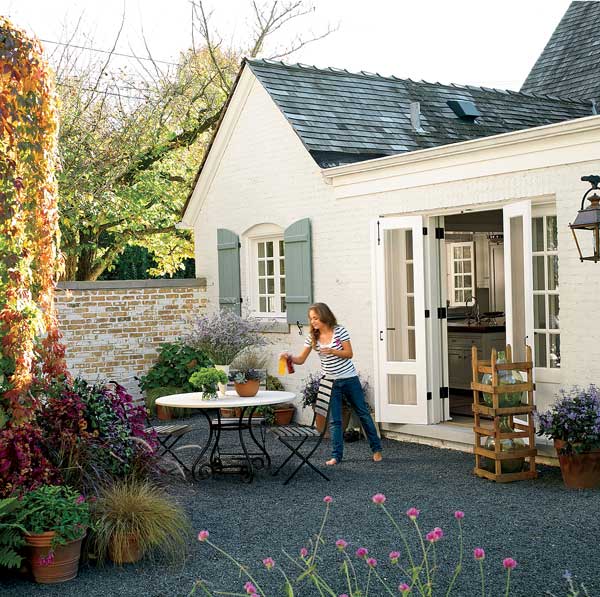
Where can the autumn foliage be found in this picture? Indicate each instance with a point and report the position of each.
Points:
(29, 232)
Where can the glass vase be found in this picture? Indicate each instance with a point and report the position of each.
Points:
(505, 377)
(512, 465)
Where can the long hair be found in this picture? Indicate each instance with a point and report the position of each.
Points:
(325, 314)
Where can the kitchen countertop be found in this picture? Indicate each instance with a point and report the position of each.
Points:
(483, 327)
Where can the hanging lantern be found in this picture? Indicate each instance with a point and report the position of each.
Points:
(589, 219)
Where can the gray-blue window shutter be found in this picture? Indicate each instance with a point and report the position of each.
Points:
(298, 270)
(228, 252)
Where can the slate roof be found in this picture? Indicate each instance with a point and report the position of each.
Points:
(344, 117)
(569, 66)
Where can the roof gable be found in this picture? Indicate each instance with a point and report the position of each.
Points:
(344, 117)
(568, 66)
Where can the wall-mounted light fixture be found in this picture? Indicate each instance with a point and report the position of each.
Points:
(589, 219)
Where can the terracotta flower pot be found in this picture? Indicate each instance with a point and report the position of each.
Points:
(163, 413)
(248, 389)
(579, 471)
(127, 552)
(320, 421)
(52, 565)
(284, 414)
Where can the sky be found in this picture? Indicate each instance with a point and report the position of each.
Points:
(490, 43)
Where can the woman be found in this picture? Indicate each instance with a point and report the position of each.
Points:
(332, 343)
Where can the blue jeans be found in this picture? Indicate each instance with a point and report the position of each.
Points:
(350, 389)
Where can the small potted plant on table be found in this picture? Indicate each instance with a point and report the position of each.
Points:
(246, 382)
(573, 423)
(207, 381)
(56, 519)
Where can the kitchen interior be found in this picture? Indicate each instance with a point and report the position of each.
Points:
(475, 285)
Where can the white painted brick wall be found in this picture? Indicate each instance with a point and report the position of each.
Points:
(266, 176)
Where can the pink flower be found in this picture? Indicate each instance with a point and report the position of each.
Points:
(378, 499)
(509, 563)
(362, 552)
(202, 535)
(478, 553)
(344, 595)
(49, 559)
(371, 562)
(250, 588)
(438, 532)
(394, 557)
(303, 552)
(341, 544)
(80, 500)
(328, 499)
(269, 563)
(459, 515)
(404, 588)
(413, 513)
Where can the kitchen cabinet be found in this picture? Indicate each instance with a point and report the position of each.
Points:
(459, 351)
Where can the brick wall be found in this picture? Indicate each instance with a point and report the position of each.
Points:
(112, 329)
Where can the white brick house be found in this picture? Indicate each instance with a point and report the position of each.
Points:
(371, 170)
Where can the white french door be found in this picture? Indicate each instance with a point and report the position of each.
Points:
(401, 354)
(518, 278)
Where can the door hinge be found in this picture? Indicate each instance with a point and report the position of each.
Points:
(424, 230)
(429, 396)
(444, 392)
(427, 313)
(441, 313)
(241, 300)
(378, 233)
(239, 245)
(439, 233)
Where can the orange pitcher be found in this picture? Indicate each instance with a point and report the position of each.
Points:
(282, 365)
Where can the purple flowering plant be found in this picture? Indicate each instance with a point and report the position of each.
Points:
(574, 418)
(223, 335)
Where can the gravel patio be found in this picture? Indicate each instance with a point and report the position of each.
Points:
(545, 527)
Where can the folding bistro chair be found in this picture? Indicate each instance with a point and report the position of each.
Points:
(167, 435)
(289, 434)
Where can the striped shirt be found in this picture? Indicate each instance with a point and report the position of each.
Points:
(333, 366)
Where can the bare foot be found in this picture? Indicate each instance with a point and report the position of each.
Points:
(331, 462)
(377, 457)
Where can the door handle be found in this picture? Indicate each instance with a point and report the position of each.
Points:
(381, 335)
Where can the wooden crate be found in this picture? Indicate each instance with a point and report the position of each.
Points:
(521, 431)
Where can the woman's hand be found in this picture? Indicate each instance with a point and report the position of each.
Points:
(326, 351)
(284, 355)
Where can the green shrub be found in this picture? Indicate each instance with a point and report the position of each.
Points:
(11, 534)
(154, 393)
(175, 364)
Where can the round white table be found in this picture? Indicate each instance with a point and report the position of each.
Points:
(243, 463)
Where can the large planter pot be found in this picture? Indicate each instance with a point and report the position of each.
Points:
(579, 471)
(284, 414)
(126, 552)
(223, 386)
(63, 567)
(163, 413)
(320, 421)
(248, 389)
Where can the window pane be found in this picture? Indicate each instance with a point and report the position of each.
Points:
(271, 303)
(457, 252)
(262, 288)
(402, 389)
(552, 272)
(411, 345)
(410, 286)
(270, 268)
(261, 249)
(467, 267)
(458, 267)
(468, 294)
(262, 302)
(261, 268)
(467, 252)
(269, 248)
(551, 233)
(282, 267)
(468, 282)
(539, 282)
(458, 282)
(553, 308)
(458, 296)
(281, 285)
(539, 311)
(283, 305)
(270, 285)
(410, 305)
(409, 247)
(537, 225)
(540, 350)
(281, 248)
(554, 351)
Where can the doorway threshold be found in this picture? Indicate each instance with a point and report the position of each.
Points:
(456, 434)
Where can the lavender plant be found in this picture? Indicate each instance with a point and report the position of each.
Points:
(574, 418)
(408, 571)
(224, 334)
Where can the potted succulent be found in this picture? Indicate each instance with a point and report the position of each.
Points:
(573, 422)
(56, 519)
(134, 517)
(246, 382)
(222, 335)
(207, 381)
(280, 414)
